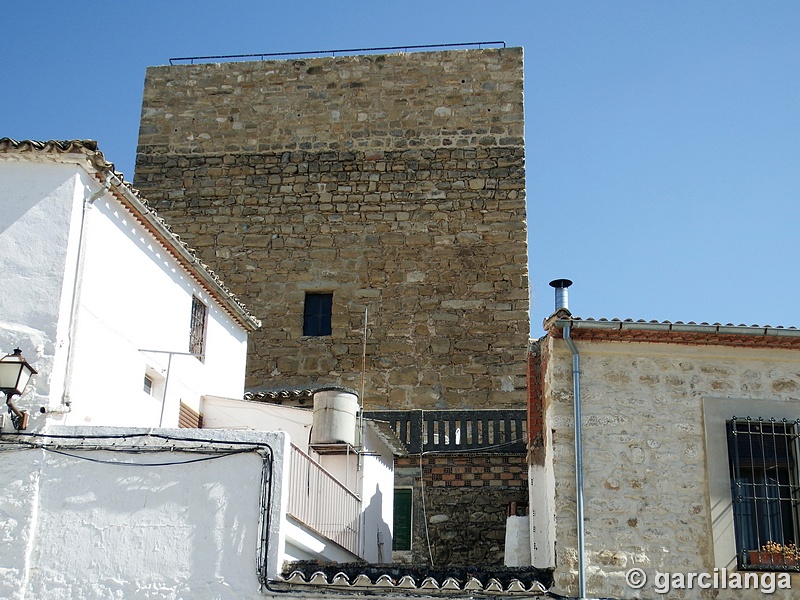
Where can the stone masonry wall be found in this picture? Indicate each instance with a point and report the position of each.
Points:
(465, 508)
(395, 182)
(646, 465)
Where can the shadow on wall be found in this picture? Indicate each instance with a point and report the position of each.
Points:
(378, 535)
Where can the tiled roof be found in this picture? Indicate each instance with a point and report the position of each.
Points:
(85, 152)
(409, 580)
(281, 396)
(641, 323)
(292, 395)
(755, 336)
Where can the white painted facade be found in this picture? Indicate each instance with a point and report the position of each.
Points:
(367, 471)
(91, 284)
(163, 525)
(377, 496)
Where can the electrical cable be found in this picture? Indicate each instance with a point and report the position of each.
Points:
(474, 450)
(21, 441)
(424, 508)
(129, 464)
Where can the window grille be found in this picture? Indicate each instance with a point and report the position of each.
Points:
(763, 456)
(317, 314)
(197, 328)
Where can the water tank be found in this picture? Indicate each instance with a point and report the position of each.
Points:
(335, 411)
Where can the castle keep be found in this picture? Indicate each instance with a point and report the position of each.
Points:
(327, 188)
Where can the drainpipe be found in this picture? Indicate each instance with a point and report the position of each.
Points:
(88, 203)
(576, 387)
(562, 303)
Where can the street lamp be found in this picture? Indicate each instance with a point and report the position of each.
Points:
(15, 372)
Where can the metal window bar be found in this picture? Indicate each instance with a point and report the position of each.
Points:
(483, 431)
(765, 493)
(319, 500)
(197, 327)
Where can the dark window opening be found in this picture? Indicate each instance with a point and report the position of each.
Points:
(401, 536)
(148, 385)
(317, 314)
(197, 328)
(764, 489)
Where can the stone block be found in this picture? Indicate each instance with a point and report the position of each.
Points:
(426, 224)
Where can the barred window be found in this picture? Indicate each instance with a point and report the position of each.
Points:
(763, 456)
(317, 314)
(197, 328)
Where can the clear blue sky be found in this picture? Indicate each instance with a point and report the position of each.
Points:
(663, 138)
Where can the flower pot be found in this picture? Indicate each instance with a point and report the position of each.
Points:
(771, 559)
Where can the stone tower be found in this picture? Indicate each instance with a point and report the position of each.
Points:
(327, 188)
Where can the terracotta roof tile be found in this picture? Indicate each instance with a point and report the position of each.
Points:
(87, 153)
(678, 332)
(414, 580)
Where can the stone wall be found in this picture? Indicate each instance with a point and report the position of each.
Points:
(395, 182)
(656, 488)
(463, 517)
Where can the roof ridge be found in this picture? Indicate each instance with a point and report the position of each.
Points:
(97, 160)
(389, 579)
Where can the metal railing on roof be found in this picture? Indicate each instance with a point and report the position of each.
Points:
(191, 59)
(498, 431)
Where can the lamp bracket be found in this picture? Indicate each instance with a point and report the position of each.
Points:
(19, 418)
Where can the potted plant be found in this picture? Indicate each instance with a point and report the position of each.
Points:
(776, 555)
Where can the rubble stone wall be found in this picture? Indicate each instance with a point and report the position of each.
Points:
(394, 182)
(656, 485)
(467, 498)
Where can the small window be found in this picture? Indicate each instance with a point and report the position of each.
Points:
(148, 385)
(764, 488)
(401, 537)
(317, 314)
(197, 328)
(153, 383)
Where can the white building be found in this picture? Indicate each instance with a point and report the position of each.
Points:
(103, 299)
(100, 512)
(341, 474)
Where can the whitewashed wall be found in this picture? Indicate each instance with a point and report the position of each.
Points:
(377, 495)
(135, 297)
(130, 295)
(371, 476)
(649, 412)
(231, 413)
(40, 206)
(79, 529)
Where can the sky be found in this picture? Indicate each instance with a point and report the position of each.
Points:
(662, 138)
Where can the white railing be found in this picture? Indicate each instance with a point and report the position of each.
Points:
(319, 501)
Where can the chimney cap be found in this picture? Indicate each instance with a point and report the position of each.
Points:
(560, 284)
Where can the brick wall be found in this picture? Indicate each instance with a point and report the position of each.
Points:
(466, 505)
(536, 368)
(395, 182)
(502, 470)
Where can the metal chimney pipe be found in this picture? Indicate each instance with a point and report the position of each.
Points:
(562, 296)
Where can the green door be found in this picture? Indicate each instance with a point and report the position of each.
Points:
(401, 539)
